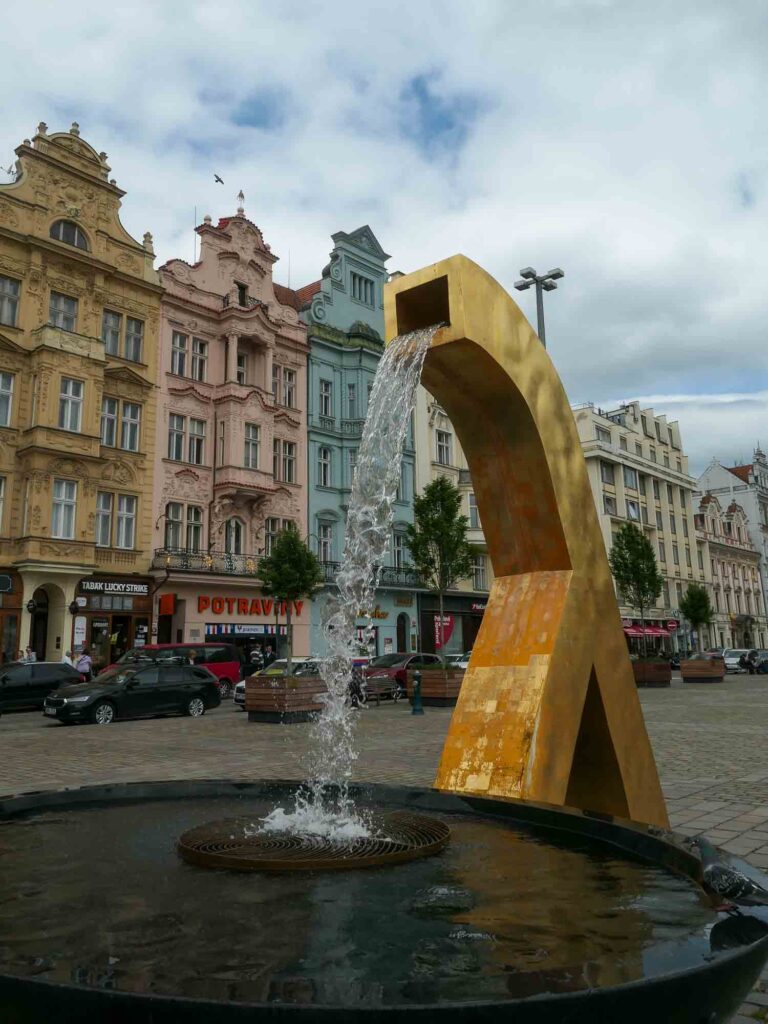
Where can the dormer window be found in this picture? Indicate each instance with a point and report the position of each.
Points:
(67, 231)
(242, 294)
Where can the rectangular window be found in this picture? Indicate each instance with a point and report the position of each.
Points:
(679, 465)
(652, 453)
(606, 473)
(111, 328)
(6, 398)
(659, 520)
(682, 498)
(242, 368)
(474, 517)
(62, 311)
(103, 519)
(325, 542)
(672, 524)
(662, 551)
(126, 521)
(679, 589)
(685, 527)
(134, 339)
(675, 555)
(289, 388)
(633, 511)
(277, 377)
(9, 301)
(362, 289)
(602, 434)
(666, 460)
(326, 398)
(479, 578)
(638, 449)
(323, 466)
(665, 594)
(70, 404)
(179, 354)
(443, 444)
(352, 401)
(173, 514)
(194, 527)
(2, 502)
(271, 530)
(644, 422)
(130, 426)
(222, 442)
(399, 551)
(630, 478)
(700, 557)
(688, 557)
(609, 504)
(177, 426)
(197, 442)
(199, 359)
(251, 455)
(64, 505)
(352, 464)
(622, 442)
(289, 462)
(656, 490)
(670, 496)
(658, 430)
(276, 459)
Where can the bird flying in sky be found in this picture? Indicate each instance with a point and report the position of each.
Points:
(218, 179)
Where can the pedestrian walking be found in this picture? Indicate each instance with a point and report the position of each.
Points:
(85, 664)
(67, 659)
(269, 656)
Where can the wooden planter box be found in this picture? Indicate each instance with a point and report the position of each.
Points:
(704, 671)
(652, 673)
(439, 686)
(283, 699)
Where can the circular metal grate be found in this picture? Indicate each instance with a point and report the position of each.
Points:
(398, 837)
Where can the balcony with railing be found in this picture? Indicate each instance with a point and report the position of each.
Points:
(391, 575)
(240, 479)
(222, 563)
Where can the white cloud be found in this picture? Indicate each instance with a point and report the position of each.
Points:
(625, 143)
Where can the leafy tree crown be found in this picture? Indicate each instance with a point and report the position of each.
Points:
(696, 606)
(438, 538)
(633, 564)
(291, 571)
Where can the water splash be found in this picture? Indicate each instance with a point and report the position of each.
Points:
(323, 805)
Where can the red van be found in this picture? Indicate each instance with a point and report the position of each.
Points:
(223, 660)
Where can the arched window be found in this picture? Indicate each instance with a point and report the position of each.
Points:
(233, 541)
(67, 231)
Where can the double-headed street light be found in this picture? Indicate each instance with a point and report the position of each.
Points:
(544, 283)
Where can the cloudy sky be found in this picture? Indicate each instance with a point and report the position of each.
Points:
(624, 142)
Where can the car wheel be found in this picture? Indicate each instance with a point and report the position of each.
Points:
(103, 713)
(195, 707)
(225, 689)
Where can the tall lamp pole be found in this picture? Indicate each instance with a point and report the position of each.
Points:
(544, 283)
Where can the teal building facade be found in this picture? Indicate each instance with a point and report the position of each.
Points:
(344, 313)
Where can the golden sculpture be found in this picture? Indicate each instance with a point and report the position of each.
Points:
(548, 710)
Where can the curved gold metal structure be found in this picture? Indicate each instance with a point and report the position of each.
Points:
(548, 709)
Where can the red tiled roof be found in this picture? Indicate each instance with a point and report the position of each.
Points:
(742, 472)
(287, 296)
(305, 294)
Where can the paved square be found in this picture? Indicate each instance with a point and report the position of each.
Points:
(710, 743)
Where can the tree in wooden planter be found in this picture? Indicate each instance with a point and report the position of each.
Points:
(697, 609)
(291, 572)
(634, 568)
(438, 542)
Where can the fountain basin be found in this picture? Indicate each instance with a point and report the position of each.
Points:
(534, 912)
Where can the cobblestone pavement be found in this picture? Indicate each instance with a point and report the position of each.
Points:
(710, 741)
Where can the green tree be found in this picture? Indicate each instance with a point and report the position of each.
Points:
(697, 609)
(438, 541)
(633, 564)
(290, 573)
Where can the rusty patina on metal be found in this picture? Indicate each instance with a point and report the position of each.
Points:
(548, 710)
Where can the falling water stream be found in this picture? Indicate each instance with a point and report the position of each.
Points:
(323, 805)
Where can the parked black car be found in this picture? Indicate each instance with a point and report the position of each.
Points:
(26, 686)
(136, 691)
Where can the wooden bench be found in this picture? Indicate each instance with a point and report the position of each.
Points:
(283, 699)
(439, 686)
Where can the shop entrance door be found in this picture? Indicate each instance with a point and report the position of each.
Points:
(402, 632)
(39, 624)
(121, 636)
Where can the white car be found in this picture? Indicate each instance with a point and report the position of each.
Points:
(732, 655)
(458, 660)
(238, 695)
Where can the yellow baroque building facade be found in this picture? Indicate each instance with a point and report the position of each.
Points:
(79, 321)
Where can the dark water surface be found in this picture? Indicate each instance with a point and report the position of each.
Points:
(99, 897)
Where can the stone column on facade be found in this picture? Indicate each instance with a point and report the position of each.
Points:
(231, 371)
(269, 354)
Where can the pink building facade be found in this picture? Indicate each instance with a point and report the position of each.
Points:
(230, 469)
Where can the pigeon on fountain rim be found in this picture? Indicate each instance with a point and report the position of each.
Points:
(724, 882)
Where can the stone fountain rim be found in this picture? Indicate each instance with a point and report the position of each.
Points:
(647, 842)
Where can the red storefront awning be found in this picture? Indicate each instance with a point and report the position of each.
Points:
(656, 631)
(633, 631)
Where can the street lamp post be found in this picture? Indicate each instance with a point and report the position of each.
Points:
(544, 283)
